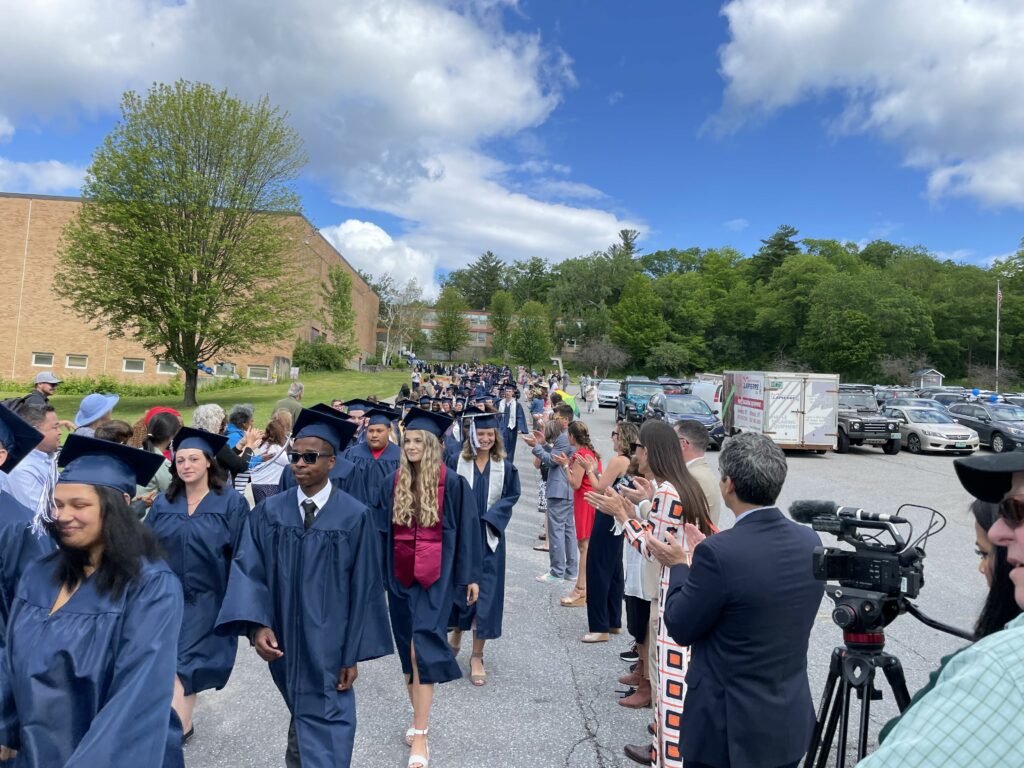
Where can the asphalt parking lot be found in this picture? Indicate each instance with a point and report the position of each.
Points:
(550, 701)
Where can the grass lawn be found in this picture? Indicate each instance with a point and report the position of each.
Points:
(320, 388)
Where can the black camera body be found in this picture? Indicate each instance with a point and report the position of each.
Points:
(885, 571)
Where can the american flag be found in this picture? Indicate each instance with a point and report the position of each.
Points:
(999, 296)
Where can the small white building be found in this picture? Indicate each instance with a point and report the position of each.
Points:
(927, 377)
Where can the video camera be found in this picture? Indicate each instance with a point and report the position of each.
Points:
(875, 578)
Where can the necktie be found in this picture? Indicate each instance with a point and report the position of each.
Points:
(308, 512)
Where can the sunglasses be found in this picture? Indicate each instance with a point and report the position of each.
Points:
(307, 457)
(1012, 511)
(615, 434)
(634, 446)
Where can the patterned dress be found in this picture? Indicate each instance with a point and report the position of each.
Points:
(673, 659)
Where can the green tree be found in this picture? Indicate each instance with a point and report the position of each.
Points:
(530, 341)
(478, 282)
(502, 307)
(452, 331)
(669, 357)
(341, 318)
(175, 243)
(637, 323)
(401, 314)
(773, 252)
(531, 280)
(601, 356)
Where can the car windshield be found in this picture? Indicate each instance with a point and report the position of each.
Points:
(1006, 412)
(693, 406)
(608, 385)
(860, 401)
(644, 390)
(928, 416)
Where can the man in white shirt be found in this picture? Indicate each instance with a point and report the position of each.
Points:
(512, 421)
(32, 481)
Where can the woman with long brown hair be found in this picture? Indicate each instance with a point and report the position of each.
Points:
(675, 500)
(433, 556)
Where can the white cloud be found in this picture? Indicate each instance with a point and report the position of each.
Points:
(6, 128)
(736, 225)
(368, 247)
(43, 177)
(615, 97)
(942, 79)
(387, 94)
(559, 189)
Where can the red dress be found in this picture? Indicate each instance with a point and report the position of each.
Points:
(583, 513)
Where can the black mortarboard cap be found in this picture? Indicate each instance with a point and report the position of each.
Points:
(381, 416)
(428, 421)
(207, 442)
(329, 427)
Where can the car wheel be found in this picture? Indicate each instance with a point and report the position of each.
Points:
(998, 443)
(843, 443)
(913, 443)
(891, 448)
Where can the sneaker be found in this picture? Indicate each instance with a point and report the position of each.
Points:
(630, 656)
(547, 578)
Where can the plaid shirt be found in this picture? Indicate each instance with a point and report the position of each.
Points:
(973, 717)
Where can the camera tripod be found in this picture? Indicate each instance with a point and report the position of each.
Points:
(852, 669)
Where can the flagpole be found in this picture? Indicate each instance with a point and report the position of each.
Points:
(999, 304)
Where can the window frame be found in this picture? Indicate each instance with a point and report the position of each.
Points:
(175, 372)
(248, 372)
(52, 356)
(126, 369)
(67, 362)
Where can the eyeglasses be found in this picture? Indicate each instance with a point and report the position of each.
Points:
(634, 446)
(307, 457)
(615, 434)
(1012, 511)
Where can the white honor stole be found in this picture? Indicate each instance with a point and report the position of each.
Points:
(494, 486)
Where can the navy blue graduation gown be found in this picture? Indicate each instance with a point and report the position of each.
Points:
(320, 591)
(92, 684)
(490, 607)
(452, 447)
(342, 476)
(420, 616)
(199, 550)
(369, 474)
(19, 548)
(509, 437)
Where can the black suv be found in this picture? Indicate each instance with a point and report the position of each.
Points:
(860, 423)
(1001, 427)
(634, 394)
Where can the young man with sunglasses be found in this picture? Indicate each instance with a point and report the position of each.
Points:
(305, 588)
(972, 715)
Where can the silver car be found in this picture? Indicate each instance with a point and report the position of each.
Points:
(928, 429)
(607, 393)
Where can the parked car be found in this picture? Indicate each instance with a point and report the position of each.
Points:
(674, 386)
(930, 391)
(607, 393)
(998, 426)
(673, 408)
(949, 398)
(917, 402)
(885, 395)
(711, 393)
(928, 429)
(634, 394)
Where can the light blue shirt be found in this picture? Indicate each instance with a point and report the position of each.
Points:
(32, 479)
(972, 717)
(757, 509)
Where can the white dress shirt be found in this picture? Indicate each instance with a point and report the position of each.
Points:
(320, 499)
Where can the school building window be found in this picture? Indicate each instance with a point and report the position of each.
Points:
(76, 361)
(261, 372)
(166, 367)
(133, 365)
(42, 359)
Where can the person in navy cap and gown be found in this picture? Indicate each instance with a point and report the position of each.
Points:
(495, 485)
(20, 543)
(343, 473)
(433, 553)
(87, 672)
(512, 421)
(198, 520)
(305, 588)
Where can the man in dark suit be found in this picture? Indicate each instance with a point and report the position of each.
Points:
(745, 607)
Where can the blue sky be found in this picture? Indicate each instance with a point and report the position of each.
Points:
(438, 130)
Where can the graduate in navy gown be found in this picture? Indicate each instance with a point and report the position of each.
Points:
(20, 545)
(198, 520)
(88, 666)
(375, 459)
(343, 473)
(512, 420)
(495, 485)
(305, 588)
(433, 556)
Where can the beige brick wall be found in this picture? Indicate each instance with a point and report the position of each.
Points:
(34, 319)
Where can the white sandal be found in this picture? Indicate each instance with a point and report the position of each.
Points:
(418, 760)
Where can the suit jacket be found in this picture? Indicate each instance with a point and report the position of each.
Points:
(558, 479)
(520, 418)
(708, 480)
(746, 606)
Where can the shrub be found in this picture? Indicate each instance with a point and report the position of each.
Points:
(318, 355)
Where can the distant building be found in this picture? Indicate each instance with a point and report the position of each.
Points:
(926, 377)
(37, 332)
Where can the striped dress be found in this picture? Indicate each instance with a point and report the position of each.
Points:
(673, 659)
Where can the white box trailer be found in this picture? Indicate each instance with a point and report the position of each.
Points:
(798, 411)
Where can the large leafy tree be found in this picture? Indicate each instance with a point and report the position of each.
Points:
(341, 317)
(530, 342)
(478, 282)
(502, 307)
(452, 331)
(637, 322)
(176, 243)
(401, 314)
(531, 280)
(773, 252)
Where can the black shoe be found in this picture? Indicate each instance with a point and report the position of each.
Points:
(189, 735)
(631, 655)
(638, 754)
